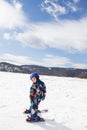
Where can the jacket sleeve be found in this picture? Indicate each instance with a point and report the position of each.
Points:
(44, 91)
(32, 92)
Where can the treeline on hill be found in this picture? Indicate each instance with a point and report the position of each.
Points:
(52, 71)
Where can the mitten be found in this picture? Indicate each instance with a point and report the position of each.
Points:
(43, 97)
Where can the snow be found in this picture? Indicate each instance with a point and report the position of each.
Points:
(66, 101)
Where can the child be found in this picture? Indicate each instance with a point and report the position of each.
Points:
(37, 93)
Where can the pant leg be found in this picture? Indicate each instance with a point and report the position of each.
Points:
(34, 109)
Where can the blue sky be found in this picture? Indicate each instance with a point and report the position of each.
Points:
(44, 32)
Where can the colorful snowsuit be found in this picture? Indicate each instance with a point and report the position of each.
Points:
(37, 93)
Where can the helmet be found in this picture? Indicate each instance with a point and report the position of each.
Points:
(34, 75)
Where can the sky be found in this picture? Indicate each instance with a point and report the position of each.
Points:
(50, 33)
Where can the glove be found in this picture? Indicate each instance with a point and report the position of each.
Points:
(31, 100)
(43, 97)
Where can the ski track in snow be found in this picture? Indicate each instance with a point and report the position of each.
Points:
(66, 101)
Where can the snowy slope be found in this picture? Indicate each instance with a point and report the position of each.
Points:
(66, 100)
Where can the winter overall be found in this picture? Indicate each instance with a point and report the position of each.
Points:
(37, 93)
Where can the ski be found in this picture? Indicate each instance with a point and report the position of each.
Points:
(37, 119)
(39, 111)
(43, 111)
(33, 121)
(43, 120)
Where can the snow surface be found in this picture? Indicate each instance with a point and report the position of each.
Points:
(66, 101)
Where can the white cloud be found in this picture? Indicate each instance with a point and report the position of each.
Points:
(56, 61)
(18, 60)
(55, 9)
(11, 15)
(7, 36)
(76, 1)
(52, 8)
(72, 6)
(17, 4)
(80, 66)
(48, 61)
(67, 35)
(30, 38)
(59, 61)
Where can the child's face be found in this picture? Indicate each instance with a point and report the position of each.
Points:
(34, 80)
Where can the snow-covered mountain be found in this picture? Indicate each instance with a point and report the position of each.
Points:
(53, 71)
(66, 101)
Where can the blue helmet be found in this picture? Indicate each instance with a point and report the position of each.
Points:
(36, 75)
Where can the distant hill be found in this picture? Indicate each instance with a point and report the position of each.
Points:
(52, 71)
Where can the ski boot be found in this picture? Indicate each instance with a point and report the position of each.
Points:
(36, 119)
(27, 111)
